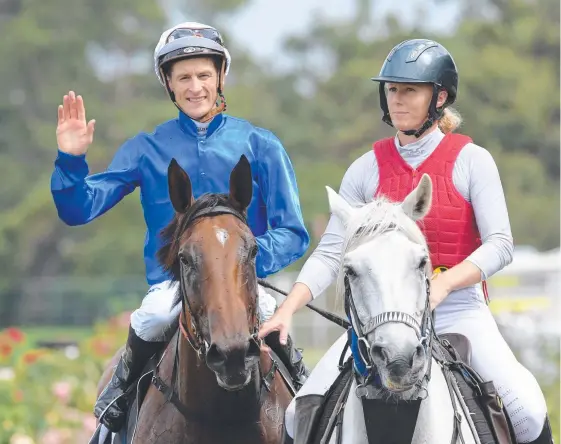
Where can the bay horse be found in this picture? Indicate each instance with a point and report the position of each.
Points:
(215, 383)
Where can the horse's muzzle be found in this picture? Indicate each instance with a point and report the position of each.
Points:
(233, 361)
(399, 367)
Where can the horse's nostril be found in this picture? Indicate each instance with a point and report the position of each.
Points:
(215, 357)
(380, 352)
(419, 350)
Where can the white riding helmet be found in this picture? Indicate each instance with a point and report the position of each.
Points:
(187, 40)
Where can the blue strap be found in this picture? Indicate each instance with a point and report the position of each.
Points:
(359, 363)
(360, 366)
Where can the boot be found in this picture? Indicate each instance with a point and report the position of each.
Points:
(111, 407)
(291, 357)
(546, 437)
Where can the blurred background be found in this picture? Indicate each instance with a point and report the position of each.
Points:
(300, 68)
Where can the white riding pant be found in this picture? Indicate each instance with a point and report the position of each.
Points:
(152, 322)
(468, 314)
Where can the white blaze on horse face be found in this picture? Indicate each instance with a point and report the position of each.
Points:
(222, 235)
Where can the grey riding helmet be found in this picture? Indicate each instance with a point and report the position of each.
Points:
(419, 61)
(190, 40)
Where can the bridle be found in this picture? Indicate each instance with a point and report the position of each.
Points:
(423, 330)
(193, 335)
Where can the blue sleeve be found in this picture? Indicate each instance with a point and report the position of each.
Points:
(287, 238)
(80, 198)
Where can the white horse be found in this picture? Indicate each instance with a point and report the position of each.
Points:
(384, 274)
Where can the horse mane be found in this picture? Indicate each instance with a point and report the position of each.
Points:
(370, 220)
(171, 235)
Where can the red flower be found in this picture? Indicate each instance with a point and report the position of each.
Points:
(100, 347)
(15, 334)
(31, 356)
(5, 349)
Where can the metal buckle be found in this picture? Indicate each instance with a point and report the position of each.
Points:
(157, 383)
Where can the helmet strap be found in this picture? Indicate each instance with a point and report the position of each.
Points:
(433, 116)
(384, 104)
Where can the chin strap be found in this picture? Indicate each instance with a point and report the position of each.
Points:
(419, 132)
(219, 107)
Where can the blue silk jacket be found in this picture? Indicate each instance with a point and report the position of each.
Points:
(142, 161)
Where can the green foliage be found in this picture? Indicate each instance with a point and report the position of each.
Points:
(325, 111)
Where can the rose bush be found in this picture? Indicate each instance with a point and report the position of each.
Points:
(46, 396)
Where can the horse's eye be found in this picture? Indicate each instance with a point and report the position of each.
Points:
(184, 260)
(423, 263)
(350, 271)
(253, 252)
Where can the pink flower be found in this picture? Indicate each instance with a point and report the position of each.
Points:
(52, 436)
(18, 396)
(62, 390)
(90, 423)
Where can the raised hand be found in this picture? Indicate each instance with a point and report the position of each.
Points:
(74, 135)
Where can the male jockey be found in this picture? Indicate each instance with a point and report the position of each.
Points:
(191, 62)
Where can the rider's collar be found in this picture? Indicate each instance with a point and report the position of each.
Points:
(426, 143)
(188, 125)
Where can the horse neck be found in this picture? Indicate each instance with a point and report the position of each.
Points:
(199, 391)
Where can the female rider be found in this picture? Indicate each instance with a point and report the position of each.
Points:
(467, 229)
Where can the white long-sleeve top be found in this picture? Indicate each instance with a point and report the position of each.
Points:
(476, 178)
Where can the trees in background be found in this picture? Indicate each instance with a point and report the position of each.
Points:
(326, 112)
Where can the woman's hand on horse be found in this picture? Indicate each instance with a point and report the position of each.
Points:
(74, 135)
(281, 322)
(439, 291)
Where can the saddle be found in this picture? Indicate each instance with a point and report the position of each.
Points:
(482, 404)
(137, 392)
(318, 416)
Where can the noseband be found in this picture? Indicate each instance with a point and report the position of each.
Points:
(422, 330)
(196, 339)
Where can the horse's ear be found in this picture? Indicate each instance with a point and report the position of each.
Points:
(418, 202)
(339, 206)
(180, 188)
(241, 184)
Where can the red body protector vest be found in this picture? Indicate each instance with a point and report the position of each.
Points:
(449, 227)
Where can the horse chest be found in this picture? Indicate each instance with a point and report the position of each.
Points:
(434, 423)
(170, 427)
